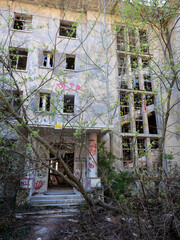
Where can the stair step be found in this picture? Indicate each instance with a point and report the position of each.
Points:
(62, 205)
(42, 196)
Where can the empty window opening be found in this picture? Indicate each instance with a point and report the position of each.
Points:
(47, 59)
(22, 22)
(123, 84)
(137, 101)
(121, 65)
(132, 41)
(68, 29)
(14, 99)
(68, 104)
(44, 102)
(124, 103)
(145, 62)
(147, 82)
(152, 123)
(18, 58)
(121, 40)
(136, 83)
(134, 63)
(141, 147)
(70, 62)
(144, 41)
(154, 143)
(126, 127)
(139, 125)
(127, 151)
(149, 100)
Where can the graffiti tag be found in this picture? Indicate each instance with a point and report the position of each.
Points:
(39, 184)
(69, 87)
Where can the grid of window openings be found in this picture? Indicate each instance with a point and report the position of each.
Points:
(138, 118)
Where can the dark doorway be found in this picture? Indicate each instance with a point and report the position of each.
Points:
(56, 181)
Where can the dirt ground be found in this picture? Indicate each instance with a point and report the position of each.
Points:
(53, 228)
(82, 226)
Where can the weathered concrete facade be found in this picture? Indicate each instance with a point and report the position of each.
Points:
(86, 68)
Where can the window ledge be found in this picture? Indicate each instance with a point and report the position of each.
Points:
(19, 70)
(24, 31)
(69, 38)
(70, 70)
(45, 67)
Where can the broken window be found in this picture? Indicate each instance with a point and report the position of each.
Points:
(47, 59)
(144, 41)
(44, 101)
(134, 63)
(149, 100)
(68, 104)
(124, 103)
(132, 41)
(127, 151)
(137, 101)
(147, 82)
(121, 65)
(152, 123)
(121, 40)
(70, 62)
(139, 125)
(141, 147)
(22, 22)
(18, 58)
(68, 29)
(126, 127)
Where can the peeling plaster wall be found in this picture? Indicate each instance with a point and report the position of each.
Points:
(89, 71)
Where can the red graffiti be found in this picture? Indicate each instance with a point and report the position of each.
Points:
(91, 165)
(39, 184)
(93, 148)
(144, 102)
(92, 140)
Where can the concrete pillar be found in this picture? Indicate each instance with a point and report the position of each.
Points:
(94, 181)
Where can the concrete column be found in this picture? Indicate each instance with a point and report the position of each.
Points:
(94, 181)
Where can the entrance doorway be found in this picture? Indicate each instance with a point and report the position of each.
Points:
(55, 181)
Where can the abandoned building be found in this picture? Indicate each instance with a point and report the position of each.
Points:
(81, 81)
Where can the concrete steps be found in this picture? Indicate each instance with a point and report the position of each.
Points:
(61, 200)
(48, 213)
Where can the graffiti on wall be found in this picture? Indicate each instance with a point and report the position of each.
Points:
(93, 148)
(69, 87)
(39, 184)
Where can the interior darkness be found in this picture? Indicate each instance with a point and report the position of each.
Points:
(152, 123)
(70, 63)
(68, 104)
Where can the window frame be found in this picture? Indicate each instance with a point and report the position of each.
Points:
(69, 107)
(67, 26)
(14, 56)
(50, 57)
(45, 101)
(24, 19)
(72, 57)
